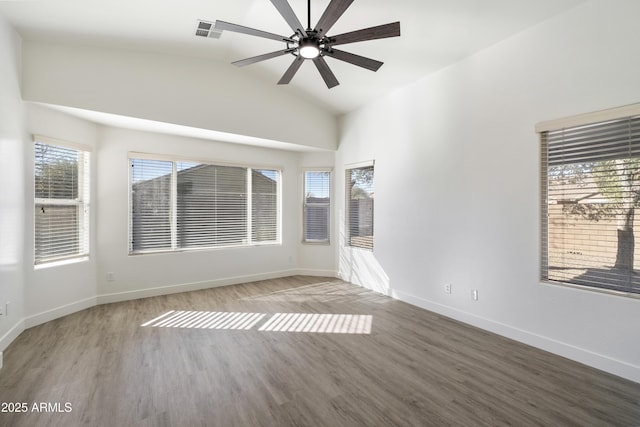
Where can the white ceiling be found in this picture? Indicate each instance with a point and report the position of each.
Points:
(435, 34)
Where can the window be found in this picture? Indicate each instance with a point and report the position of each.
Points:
(179, 205)
(359, 217)
(590, 190)
(317, 204)
(61, 200)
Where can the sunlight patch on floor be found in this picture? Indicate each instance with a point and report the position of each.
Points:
(319, 323)
(206, 320)
(279, 322)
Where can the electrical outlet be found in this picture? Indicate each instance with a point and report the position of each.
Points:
(6, 308)
(110, 276)
(474, 294)
(447, 288)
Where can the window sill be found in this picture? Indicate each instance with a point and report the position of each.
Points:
(591, 289)
(316, 243)
(203, 249)
(60, 263)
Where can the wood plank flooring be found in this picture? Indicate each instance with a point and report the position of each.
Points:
(415, 368)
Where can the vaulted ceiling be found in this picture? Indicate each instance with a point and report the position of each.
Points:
(435, 34)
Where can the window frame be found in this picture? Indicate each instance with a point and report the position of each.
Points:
(82, 202)
(306, 205)
(348, 242)
(624, 113)
(174, 197)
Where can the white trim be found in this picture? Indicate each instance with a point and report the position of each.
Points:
(207, 284)
(585, 288)
(61, 143)
(279, 213)
(316, 169)
(211, 162)
(55, 313)
(193, 286)
(358, 165)
(317, 273)
(581, 355)
(249, 215)
(11, 334)
(589, 118)
(60, 262)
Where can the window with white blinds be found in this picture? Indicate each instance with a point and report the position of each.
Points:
(151, 205)
(61, 201)
(317, 206)
(590, 190)
(265, 205)
(178, 205)
(359, 192)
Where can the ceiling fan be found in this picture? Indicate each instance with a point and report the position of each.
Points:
(314, 44)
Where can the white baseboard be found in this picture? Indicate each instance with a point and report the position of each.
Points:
(317, 273)
(194, 286)
(55, 313)
(598, 361)
(11, 334)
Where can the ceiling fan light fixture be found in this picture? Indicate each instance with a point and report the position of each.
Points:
(309, 49)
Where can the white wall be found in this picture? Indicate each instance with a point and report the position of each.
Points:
(52, 291)
(12, 201)
(457, 184)
(201, 93)
(151, 274)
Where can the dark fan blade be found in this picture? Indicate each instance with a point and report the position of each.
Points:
(259, 58)
(291, 71)
(331, 14)
(378, 32)
(360, 61)
(325, 72)
(222, 25)
(289, 15)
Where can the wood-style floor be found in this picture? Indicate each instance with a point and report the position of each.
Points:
(414, 368)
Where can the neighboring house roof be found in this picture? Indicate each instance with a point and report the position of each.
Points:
(586, 191)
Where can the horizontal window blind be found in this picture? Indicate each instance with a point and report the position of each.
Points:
(212, 205)
(265, 209)
(359, 192)
(317, 205)
(179, 205)
(590, 190)
(61, 200)
(151, 207)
